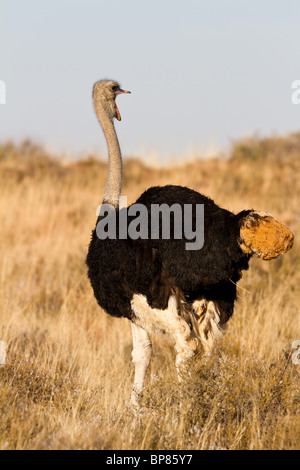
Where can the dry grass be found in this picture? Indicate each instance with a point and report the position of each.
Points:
(68, 374)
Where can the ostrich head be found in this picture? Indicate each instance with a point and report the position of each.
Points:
(264, 236)
(105, 92)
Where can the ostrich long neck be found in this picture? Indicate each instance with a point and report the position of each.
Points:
(113, 185)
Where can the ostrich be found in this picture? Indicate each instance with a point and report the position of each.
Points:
(158, 284)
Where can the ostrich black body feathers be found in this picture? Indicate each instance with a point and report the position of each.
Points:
(158, 268)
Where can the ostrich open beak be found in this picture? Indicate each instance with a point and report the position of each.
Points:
(119, 92)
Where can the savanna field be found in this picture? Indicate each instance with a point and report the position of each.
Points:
(67, 379)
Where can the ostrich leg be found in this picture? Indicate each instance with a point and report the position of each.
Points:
(141, 355)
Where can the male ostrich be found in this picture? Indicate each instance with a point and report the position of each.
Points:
(159, 285)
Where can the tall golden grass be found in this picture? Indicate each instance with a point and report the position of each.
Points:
(68, 375)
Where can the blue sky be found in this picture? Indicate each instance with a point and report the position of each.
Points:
(202, 72)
